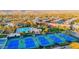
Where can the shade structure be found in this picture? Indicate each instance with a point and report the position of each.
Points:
(43, 41)
(30, 43)
(67, 37)
(56, 39)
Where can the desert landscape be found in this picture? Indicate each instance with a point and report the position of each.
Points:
(39, 29)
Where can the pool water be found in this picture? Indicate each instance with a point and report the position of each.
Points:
(19, 30)
(60, 21)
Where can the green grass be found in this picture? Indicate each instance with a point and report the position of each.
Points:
(2, 35)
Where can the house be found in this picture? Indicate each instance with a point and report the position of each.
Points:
(70, 20)
(46, 20)
(10, 24)
(1, 31)
(36, 31)
(52, 24)
(37, 20)
(13, 35)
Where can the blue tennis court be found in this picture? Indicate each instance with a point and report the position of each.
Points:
(67, 37)
(43, 41)
(29, 43)
(56, 39)
(13, 44)
(2, 41)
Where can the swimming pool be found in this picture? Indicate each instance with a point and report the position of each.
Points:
(60, 21)
(26, 29)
